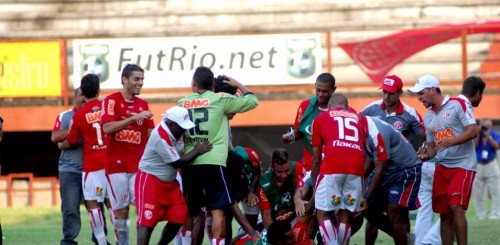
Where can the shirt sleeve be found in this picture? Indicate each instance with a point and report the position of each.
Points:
(417, 123)
(299, 174)
(108, 107)
(264, 203)
(238, 104)
(74, 131)
(167, 152)
(300, 112)
(316, 132)
(57, 123)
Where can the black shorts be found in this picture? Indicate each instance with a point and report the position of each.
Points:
(206, 186)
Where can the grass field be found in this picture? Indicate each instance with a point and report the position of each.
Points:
(43, 226)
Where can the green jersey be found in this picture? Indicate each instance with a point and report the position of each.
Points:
(209, 111)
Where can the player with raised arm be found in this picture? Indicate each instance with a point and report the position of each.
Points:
(127, 123)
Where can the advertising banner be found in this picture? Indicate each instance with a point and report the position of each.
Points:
(170, 62)
(30, 69)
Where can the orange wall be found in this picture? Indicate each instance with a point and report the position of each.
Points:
(268, 113)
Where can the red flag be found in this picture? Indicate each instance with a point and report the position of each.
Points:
(378, 56)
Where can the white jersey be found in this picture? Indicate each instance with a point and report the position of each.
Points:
(450, 122)
(161, 150)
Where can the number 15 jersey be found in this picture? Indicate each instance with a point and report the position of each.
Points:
(209, 112)
(342, 135)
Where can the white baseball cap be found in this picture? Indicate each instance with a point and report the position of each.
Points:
(425, 81)
(179, 115)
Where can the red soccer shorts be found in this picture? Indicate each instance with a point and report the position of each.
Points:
(452, 186)
(158, 201)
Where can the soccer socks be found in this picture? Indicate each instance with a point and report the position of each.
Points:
(344, 233)
(185, 237)
(218, 241)
(121, 231)
(97, 225)
(328, 232)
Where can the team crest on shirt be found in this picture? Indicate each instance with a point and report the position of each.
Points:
(95, 108)
(336, 200)
(123, 198)
(140, 122)
(349, 200)
(446, 115)
(398, 125)
(148, 214)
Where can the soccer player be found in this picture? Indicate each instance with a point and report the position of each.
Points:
(205, 181)
(159, 197)
(127, 122)
(394, 184)
(407, 121)
(277, 188)
(308, 110)
(337, 168)
(451, 128)
(86, 126)
(70, 173)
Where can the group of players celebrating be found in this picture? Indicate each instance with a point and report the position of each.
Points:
(186, 171)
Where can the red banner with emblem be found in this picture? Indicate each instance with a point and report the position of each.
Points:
(378, 56)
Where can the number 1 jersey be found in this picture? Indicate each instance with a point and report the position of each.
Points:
(86, 124)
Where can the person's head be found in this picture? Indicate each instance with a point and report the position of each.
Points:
(177, 120)
(280, 233)
(486, 124)
(325, 86)
(392, 89)
(280, 166)
(338, 100)
(427, 90)
(79, 99)
(473, 89)
(90, 86)
(203, 78)
(132, 79)
(221, 86)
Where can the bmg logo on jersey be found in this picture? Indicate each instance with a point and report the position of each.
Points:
(301, 61)
(94, 61)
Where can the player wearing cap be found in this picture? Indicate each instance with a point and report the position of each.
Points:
(401, 116)
(158, 193)
(394, 183)
(86, 125)
(205, 181)
(339, 137)
(308, 110)
(451, 128)
(127, 123)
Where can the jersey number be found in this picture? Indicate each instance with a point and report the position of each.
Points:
(198, 120)
(97, 127)
(349, 124)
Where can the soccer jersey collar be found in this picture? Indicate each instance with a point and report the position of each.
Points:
(461, 96)
(399, 110)
(170, 135)
(445, 100)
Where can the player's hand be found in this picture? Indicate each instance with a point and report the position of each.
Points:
(252, 199)
(202, 148)
(255, 237)
(232, 82)
(289, 137)
(443, 144)
(423, 157)
(300, 207)
(363, 205)
(143, 115)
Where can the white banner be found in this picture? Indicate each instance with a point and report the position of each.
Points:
(170, 62)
